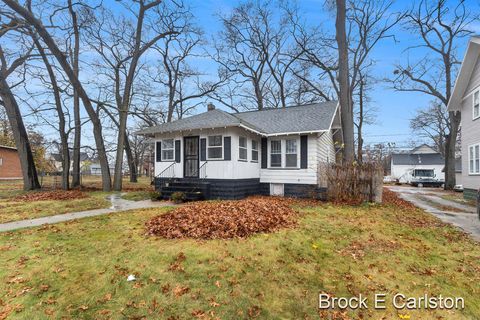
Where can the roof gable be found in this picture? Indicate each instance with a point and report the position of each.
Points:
(411, 159)
(465, 74)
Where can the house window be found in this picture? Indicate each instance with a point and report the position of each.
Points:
(254, 150)
(276, 153)
(291, 153)
(474, 159)
(476, 105)
(214, 149)
(242, 148)
(168, 150)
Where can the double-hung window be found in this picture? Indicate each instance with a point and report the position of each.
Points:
(474, 159)
(215, 147)
(242, 148)
(276, 153)
(167, 150)
(291, 153)
(476, 105)
(254, 151)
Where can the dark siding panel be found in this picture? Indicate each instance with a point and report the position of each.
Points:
(227, 148)
(158, 152)
(264, 153)
(203, 149)
(303, 152)
(177, 150)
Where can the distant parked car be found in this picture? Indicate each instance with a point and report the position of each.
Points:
(420, 183)
(458, 188)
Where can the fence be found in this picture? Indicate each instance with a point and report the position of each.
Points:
(354, 183)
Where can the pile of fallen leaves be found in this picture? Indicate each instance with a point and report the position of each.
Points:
(224, 219)
(51, 195)
(390, 197)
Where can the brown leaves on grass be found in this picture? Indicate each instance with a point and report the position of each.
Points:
(390, 197)
(51, 195)
(224, 219)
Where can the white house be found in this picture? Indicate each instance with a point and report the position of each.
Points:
(217, 154)
(422, 161)
(466, 98)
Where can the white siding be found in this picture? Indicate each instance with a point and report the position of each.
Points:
(474, 79)
(470, 134)
(320, 148)
(217, 169)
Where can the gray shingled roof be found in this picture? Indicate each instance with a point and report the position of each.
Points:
(312, 117)
(417, 159)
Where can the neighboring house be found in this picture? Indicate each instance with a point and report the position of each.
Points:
(422, 160)
(85, 162)
(458, 171)
(233, 155)
(466, 98)
(10, 167)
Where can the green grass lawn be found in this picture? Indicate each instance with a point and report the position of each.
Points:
(78, 270)
(12, 210)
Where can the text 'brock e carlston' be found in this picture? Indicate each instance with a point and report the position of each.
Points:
(398, 301)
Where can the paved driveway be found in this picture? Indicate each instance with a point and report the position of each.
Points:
(431, 200)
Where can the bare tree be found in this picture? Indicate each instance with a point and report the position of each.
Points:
(432, 123)
(181, 82)
(439, 25)
(121, 42)
(60, 56)
(254, 46)
(65, 153)
(9, 102)
(344, 84)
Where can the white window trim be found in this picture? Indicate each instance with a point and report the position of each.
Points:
(283, 153)
(166, 149)
(240, 147)
(270, 153)
(473, 105)
(473, 173)
(220, 146)
(255, 150)
(296, 153)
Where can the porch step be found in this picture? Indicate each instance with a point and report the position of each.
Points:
(193, 189)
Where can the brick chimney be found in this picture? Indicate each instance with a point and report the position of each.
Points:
(210, 106)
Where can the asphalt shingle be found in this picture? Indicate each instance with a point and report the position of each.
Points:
(312, 117)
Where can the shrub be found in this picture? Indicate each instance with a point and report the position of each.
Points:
(155, 196)
(178, 197)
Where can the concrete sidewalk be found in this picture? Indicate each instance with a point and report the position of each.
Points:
(118, 205)
(466, 220)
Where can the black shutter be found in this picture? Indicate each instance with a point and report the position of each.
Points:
(177, 150)
(227, 148)
(159, 151)
(303, 152)
(203, 149)
(264, 153)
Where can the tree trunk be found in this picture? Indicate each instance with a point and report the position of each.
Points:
(344, 85)
(258, 95)
(61, 58)
(122, 128)
(132, 164)
(77, 136)
(60, 114)
(451, 141)
(29, 172)
(360, 124)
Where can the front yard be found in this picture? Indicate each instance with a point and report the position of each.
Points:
(79, 270)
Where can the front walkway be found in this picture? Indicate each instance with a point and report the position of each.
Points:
(430, 200)
(118, 205)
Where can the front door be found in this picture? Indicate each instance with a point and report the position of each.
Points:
(190, 157)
